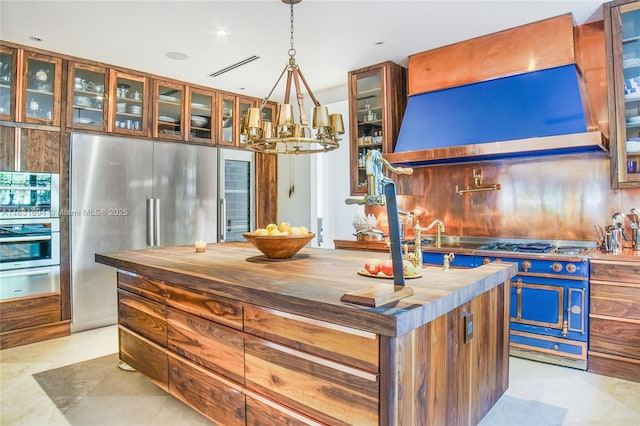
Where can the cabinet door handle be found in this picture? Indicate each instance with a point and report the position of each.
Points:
(150, 221)
(223, 219)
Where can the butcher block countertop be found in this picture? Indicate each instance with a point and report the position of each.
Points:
(311, 283)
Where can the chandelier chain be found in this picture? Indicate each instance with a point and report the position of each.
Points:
(292, 51)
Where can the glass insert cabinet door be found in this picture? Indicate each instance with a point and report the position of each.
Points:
(129, 109)
(369, 116)
(201, 119)
(87, 90)
(245, 104)
(236, 193)
(629, 151)
(227, 115)
(7, 62)
(42, 89)
(170, 103)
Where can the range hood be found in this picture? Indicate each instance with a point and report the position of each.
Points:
(526, 96)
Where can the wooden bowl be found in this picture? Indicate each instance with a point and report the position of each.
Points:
(278, 246)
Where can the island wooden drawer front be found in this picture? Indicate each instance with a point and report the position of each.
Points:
(219, 399)
(609, 336)
(207, 343)
(342, 344)
(224, 311)
(322, 389)
(147, 318)
(137, 284)
(615, 271)
(264, 412)
(145, 356)
(615, 300)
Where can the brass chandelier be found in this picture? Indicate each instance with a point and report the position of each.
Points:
(286, 136)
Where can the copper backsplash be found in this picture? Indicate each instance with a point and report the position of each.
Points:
(546, 198)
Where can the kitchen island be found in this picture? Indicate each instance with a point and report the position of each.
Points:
(249, 340)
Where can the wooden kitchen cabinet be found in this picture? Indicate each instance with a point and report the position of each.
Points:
(377, 100)
(201, 116)
(232, 110)
(129, 112)
(7, 83)
(622, 32)
(87, 102)
(30, 150)
(169, 110)
(614, 319)
(40, 89)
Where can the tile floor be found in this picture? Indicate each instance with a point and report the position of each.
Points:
(538, 394)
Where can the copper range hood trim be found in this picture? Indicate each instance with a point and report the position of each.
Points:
(548, 145)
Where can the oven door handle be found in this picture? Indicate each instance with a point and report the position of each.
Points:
(24, 274)
(19, 239)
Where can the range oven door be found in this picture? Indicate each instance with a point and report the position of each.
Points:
(29, 243)
(551, 306)
(29, 282)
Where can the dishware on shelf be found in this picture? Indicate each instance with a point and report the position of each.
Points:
(121, 107)
(633, 145)
(83, 101)
(135, 109)
(279, 246)
(198, 121)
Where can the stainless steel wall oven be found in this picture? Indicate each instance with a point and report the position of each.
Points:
(29, 234)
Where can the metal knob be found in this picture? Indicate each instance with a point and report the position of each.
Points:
(571, 268)
(486, 260)
(557, 267)
(526, 265)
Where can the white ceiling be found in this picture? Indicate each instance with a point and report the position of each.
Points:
(331, 37)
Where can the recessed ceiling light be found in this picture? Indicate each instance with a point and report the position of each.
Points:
(221, 33)
(178, 56)
(34, 38)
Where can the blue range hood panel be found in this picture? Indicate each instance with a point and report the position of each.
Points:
(536, 104)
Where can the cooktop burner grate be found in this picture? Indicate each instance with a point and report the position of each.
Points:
(519, 247)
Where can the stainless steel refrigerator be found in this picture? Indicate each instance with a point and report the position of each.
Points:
(133, 194)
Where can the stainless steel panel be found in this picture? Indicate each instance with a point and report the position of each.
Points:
(110, 181)
(29, 282)
(236, 187)
(185, 185)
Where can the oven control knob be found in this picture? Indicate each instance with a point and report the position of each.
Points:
(486, 260)
(526, 265)
(571, 268)
(557, 267)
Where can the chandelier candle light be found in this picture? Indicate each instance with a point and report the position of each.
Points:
(288, 136)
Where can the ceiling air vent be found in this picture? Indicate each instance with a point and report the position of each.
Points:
(234, 66)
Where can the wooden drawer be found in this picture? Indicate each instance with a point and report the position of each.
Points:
(223, 311)
(322, 389)
(207, 343)
(137, 284)
(615, 300)
(615, 337)
(145, 356)
(29, 312)
(264, 412)
(341, 344)
(147, 318)
(219, 399)
(615, 271)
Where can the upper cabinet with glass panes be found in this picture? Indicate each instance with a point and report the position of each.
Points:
(86, 95)
(7, 79)
(41, 89)
(623, 49)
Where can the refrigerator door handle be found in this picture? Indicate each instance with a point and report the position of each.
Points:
(150, 222)
(223, 219)
(156, 230)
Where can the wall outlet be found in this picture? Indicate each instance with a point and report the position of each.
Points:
(468, 327)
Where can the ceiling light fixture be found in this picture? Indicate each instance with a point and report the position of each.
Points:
(285, 136)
